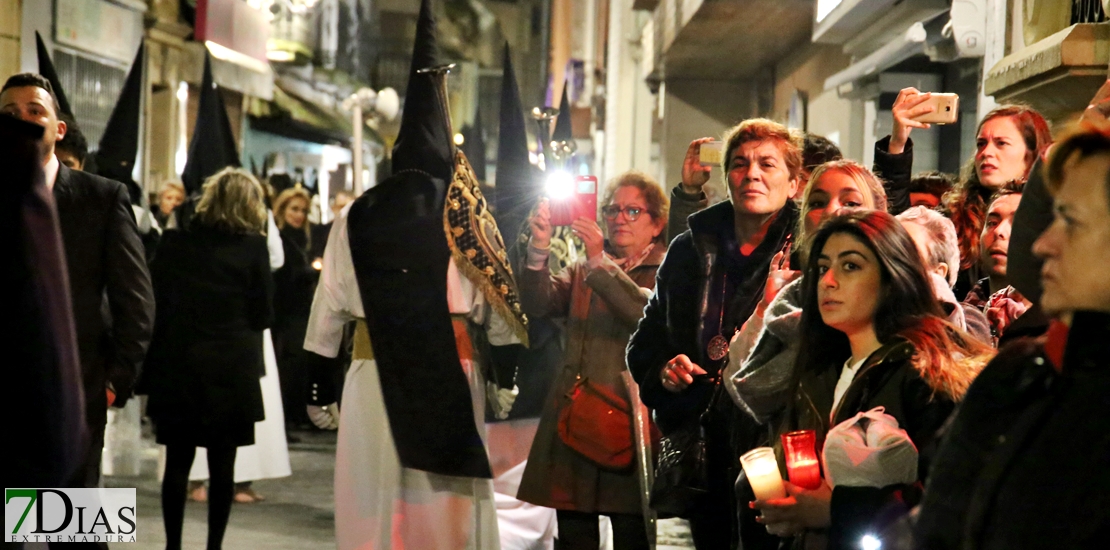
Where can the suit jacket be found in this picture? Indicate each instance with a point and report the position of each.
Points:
(47, 397)
(113, 303)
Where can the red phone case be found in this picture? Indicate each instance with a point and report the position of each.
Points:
(581, 204)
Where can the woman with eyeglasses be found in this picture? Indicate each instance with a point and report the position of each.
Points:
(601, 298)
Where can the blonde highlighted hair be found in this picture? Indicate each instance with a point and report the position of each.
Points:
(865, 180)
(285, 199)
(232, 200)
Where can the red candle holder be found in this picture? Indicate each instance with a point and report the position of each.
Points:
(802, 465)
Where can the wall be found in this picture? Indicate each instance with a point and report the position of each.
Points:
(699, 108)
(9, 38)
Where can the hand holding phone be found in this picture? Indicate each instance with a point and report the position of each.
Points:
(945, 109)
(580, 203)
(695, 173)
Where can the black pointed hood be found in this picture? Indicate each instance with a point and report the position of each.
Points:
(563, 130)
(46, 69)
(119, 145)
(518, 186)
(424, 140)
(474, 146)
(213, 145)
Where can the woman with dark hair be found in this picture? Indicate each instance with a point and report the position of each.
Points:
(1008, 141)
(213, 287)
(872, 335)
(601, 299)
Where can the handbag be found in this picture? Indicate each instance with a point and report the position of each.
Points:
(597, 424)
(682, 473)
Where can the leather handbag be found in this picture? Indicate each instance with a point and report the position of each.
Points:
(597, 424)
(682, 472)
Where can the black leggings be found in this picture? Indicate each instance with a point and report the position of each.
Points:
(579, 531)
(221, 490)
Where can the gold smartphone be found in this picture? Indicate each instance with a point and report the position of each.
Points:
(946, 109)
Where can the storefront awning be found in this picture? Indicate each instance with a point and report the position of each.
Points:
(292, 116)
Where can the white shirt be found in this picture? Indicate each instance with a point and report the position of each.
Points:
(847, 374)
(51, 170)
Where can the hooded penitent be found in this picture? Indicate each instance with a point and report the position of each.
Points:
(563, 130)
(46, 69)
(213, 145)
(518, 185)
(403, 234)
(115, 155)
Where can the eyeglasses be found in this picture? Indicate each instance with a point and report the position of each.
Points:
(632, 213)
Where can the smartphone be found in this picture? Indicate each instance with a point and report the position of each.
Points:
(711, 153)
(946, 109)
(582, 203)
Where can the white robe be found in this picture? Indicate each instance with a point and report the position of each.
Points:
(380, 504)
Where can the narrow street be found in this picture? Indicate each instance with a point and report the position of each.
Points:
(298, 512)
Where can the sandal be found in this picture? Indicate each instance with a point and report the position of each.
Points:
(197, 491)
(248, 496)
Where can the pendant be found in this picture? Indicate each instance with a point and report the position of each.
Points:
(717, 348)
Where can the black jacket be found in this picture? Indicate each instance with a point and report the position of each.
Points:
(685, 311)
(887, 379)
(1026, 461)
(706, 288)
(295, 282)
(105, 259)
(895, 171)
(214, 290)
(46, 403)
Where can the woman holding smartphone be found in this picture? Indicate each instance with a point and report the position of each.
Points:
(872, 335)
(1008, 140)
(602, 298)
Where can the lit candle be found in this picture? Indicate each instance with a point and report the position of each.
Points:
(800, 451)
(762, 471)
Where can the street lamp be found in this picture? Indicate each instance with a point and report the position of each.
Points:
(383, 105)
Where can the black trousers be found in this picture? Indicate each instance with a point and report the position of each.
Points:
(87, 476)
(579, 531)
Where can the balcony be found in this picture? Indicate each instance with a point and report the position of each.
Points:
(1058, 74)
(727, 39)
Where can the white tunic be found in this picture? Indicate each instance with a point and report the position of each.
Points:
(378, 503)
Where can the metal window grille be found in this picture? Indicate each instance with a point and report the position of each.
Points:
(92, 88)
(1087, 11)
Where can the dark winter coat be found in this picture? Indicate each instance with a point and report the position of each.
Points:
(601, 307)
(213, 290)
(702, 276)
(887, 379)
(295, 282)
(1025, 462)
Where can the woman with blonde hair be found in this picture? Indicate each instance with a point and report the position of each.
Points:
(213, 287)
(295, 283)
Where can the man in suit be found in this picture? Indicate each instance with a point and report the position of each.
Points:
(49, 403)
(109, 285)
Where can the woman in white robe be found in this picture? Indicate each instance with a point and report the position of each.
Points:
(379, 504)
